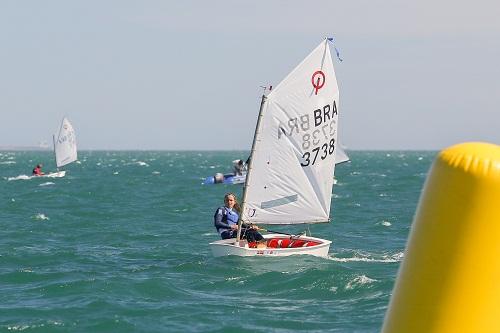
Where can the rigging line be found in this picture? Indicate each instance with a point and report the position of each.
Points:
(332, 40)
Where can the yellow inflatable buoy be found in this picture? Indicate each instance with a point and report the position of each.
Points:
(449, 280)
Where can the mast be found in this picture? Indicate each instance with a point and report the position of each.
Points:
(257, 126)
(55, 156)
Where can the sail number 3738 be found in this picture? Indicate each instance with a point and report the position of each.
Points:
(310, 158)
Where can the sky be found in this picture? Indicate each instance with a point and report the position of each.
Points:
(186, 75)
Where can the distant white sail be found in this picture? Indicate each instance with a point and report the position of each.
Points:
(65, 144)
(293, 160)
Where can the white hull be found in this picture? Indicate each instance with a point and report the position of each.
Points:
(228, 247)
(58, 174)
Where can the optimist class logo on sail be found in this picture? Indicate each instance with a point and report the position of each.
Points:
(318, 81)
(316, 129)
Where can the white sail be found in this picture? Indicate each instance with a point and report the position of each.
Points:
(340, 155)
(293, 158)
(65, 144)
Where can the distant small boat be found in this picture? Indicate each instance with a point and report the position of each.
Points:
(228, 178)
(65, 151)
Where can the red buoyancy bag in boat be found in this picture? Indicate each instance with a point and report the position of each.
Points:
(273, 243)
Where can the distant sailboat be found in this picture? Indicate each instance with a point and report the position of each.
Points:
(292, 164)
(65, 150)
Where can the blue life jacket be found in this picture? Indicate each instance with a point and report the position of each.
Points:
(229, 216)
(232, 216)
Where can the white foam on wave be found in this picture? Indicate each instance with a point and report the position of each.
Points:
(19, 327)
(46, 184)
(8, 162)
(20, 177)
(41, 217)
(141, 163)
(234, 278)
(355, 259)
(22, 327)
(359, 281)
(397, 257)
(384, 223)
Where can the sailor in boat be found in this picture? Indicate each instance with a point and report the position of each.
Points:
(37, 171)
(238, 167)
(226, 221)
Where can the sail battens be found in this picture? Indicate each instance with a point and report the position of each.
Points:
(287, 222)
(279, 202)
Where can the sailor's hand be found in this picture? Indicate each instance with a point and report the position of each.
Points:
(234, 227)
(255, 227)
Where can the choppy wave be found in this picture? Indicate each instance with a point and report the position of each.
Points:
(359, 281)
(96, 252)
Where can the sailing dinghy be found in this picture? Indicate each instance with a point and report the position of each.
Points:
(290, 174)
(64, 148)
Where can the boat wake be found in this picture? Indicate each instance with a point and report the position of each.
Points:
(20, 177)
(397, 257)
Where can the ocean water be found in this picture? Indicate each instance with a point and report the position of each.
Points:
(121, 245)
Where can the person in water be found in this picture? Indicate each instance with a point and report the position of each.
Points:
(226, 221)
(37, 171)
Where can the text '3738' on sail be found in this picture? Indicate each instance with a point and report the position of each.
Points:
(290, 175)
